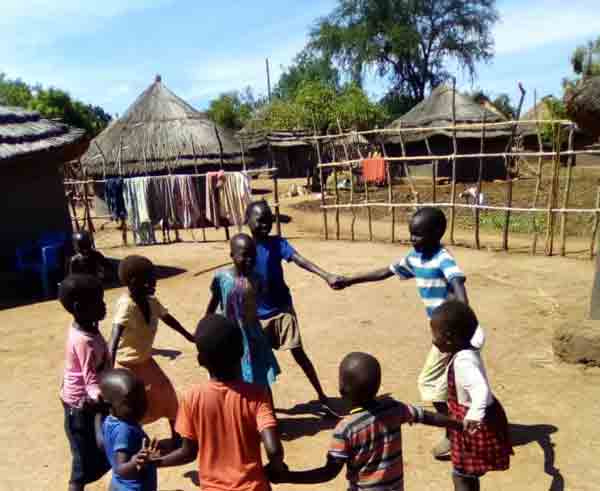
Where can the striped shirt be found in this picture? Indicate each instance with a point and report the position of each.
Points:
(369, 442)
(433, 274)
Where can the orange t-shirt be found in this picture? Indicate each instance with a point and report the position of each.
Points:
(226, 420)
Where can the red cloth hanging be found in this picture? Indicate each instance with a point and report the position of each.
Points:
(374, 170)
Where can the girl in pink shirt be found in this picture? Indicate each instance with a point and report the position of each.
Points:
(86, 357)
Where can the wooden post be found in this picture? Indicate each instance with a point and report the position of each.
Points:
(433, 172)
(596, 223)
(538, 181)
(552, 196)
(455, 150)
(347, 155)
(479, 181)
(390, 188)
(411, 184)
(509, 183)
(243, 157)
(336, 191)
(565, 204)
(369, 215)
(323, 183)
(277, 207)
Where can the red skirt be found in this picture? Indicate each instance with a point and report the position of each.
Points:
(489, 448)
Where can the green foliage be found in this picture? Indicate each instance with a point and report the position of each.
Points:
(307, 67)
(53, 104)
(284, 115)
(408, 41)
(556, 110)
(504, 105)
(519, 223)
(356, 111)
(234, 109)
(585, 62)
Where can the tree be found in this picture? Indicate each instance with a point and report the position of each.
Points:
(233, 109)
(355, 110)
(409, 41)
(585, 62)
(307, 67)
(14, 92)
(505, 106)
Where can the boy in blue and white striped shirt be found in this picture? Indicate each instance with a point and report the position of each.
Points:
(438, 279)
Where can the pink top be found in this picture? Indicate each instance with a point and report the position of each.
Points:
(86, 356)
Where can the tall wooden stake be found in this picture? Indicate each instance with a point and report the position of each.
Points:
(455, 150)
(433, 172)
(390, 189)
(538, 181)
(323, 183)
(277, 207)
(509, 163)
(596, 223)
(553, 189)
(347, 155)
(479, 181)
(563, 218)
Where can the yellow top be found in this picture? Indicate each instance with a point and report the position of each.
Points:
(137, 338)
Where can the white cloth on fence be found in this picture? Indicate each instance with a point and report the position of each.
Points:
(135, 194)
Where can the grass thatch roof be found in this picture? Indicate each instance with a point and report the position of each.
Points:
(24, 134)
(436, 111)
(160, 131)
(254, 138)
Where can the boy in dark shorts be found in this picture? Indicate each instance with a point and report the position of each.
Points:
(369, 440)
(86, 356)
(224, 421)
(125, 443)
(88, 260)
(275, 306)
(438, 279)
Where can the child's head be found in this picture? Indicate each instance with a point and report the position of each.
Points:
(243, 253)
(82, 242)
(220, 348)
(359, 378)
(137, 273)
(453, 325)
(260, 219)
(427, 227)
(82, 295)
(125, 393)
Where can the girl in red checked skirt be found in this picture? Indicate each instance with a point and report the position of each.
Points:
(484, 445)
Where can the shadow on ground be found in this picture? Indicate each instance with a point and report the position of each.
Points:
(542, 435)
(25, 289)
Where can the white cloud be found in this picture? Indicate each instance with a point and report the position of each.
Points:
(538, 23)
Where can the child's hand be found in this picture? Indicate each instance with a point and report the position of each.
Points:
(470, 426)
(148, 453)
(276, 473)
(337, 282)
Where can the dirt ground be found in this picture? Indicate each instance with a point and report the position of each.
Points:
(553, 408)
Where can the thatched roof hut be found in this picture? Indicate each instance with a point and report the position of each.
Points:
(583, 105)
(32, 195)
(161, 133)
(435, 114)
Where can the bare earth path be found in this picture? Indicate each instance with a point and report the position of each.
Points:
(554, 408)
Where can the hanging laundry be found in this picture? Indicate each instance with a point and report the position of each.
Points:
(237, 196)
(214, 210)
(136, 197)
(374, 171)
(187, 206)
(113, 195)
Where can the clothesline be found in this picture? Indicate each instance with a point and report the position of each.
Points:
(247, 172)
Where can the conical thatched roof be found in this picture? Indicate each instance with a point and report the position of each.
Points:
(24, 133)
(436, 111)
(160, 131)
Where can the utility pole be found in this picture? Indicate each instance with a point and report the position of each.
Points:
(268, 79)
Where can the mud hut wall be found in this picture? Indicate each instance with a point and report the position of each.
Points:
(32, 196)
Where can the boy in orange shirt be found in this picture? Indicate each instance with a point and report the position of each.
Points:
(224, 421)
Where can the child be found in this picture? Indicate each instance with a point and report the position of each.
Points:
(125, 443)
(369, 440)
(223, 422)
(134, 329)
(88, 260)
(485, 444)
(275, 306)
(234, 293)
(86, 357)
(438, 277)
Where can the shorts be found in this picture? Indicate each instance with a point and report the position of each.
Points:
(283, 330)
(89, 462)
(433, 379)
(465, 475)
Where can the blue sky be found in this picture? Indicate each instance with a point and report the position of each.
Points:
(107, 52)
